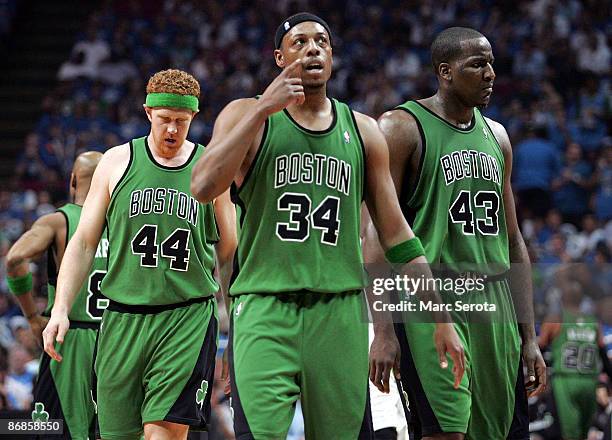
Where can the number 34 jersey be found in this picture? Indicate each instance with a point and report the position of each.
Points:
(89, 303)
(299, 208)
(161, 238)
(458, 199)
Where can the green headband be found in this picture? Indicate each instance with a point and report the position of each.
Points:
(172, 100)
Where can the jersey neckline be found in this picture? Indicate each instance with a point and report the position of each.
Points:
(453, 126)
(316, 132)
(166, 167)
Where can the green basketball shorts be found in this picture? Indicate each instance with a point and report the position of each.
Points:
(63, 389)
(491, 401)
(300, 345)
(575, 402)
(155, 363)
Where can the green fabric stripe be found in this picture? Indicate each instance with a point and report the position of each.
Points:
(172, 100)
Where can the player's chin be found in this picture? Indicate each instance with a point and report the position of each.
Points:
(483, 102)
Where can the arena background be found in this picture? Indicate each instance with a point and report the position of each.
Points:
(74, 74)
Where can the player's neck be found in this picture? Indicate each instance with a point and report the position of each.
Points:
(316, 113)
(80, 196)
(315, 102)
(451, 109)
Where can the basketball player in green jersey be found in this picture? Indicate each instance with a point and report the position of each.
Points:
(451, 168)
(157, 343)
(575, 340)
(63, 391)
(301, 164)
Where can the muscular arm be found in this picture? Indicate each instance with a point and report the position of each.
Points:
(31, 245)
(392, 229)
(234, 135)
(402, 136)
(81, 249)
(236, 130)
(520, 279)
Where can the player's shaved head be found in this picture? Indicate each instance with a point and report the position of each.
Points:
(448, 44)
(85, 164)
(82, 171)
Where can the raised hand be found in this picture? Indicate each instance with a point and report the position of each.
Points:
(286, 89)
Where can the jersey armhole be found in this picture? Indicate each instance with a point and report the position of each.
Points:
(406, 199)
(117, 187)
(363, 155)
(52, 268)
(492, 133)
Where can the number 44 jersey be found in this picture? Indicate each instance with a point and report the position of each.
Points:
(299, 208)
(458, 199)
(160, 238)
(89, 303)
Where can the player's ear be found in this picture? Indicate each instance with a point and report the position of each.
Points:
(444, 71)
(149, 112)
(278, 57)
(73, 181)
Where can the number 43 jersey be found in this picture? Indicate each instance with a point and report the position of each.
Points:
(299, 208)
(458, 199)
(161, 238)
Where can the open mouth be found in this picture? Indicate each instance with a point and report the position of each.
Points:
(170, 141)
(314, 67)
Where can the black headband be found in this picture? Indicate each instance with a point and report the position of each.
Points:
(288, 23)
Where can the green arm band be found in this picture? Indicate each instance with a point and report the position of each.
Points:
(20, 285)
(175, 100)
(404, 252)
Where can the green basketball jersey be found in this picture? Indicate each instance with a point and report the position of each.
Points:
(161, 238)
(458, 200)
(299, 208)
(575, 349)
(89, 302)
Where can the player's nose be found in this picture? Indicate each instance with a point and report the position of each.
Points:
(489, 73)
(312, 49)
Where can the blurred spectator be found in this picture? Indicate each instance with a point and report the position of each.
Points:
(603, 179)
(555, 252)
(594, 53)
(19, 381)
(536, 164)
(572, 185)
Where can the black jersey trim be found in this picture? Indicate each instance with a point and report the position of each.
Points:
(257, 154)
(117, 187)
(454, 127)
(52, 268)
(317, 132)
(235, 263)
(492, 134)
(139, 309)
(363, 153)
(84, 325)
(407, 194)
(196, 146)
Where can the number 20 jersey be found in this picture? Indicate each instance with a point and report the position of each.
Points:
(299, 208)
(160, 238)
(458, 200)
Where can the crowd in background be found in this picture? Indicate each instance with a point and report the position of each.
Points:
(552, 93)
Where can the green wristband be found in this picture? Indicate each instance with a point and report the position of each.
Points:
(175, 100)
(20, 285)
(404, 252)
